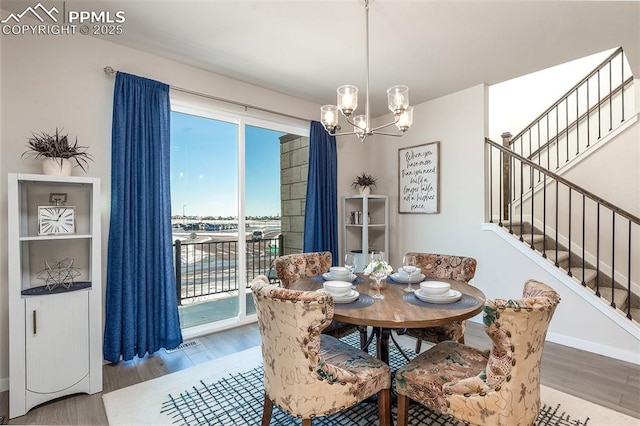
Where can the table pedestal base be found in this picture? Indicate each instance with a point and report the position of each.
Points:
(382, 335)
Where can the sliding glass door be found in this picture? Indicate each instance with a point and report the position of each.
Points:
(262, 201)
(226, 210)
(204, 202)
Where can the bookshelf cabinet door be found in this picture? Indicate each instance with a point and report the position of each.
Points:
(57, 341)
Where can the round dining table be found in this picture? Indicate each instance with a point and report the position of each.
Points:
(399, 309)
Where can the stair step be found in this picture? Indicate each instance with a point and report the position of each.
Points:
(619, 296)
(562, 256)
(537, 238)
(514, 226)
(589, 276)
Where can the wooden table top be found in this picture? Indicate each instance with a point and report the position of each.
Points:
(394, 311)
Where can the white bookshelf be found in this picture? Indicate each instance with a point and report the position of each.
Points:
(371, 232)
(55, 334)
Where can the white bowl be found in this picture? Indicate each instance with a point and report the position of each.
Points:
(434, 288)
(337, 288)
(339, 271)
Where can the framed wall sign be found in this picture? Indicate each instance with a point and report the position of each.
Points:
(419, 178)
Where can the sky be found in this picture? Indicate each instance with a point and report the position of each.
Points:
(204, 168)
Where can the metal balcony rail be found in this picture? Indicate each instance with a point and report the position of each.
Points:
(603, 238)
(208, 268)
(581, 117)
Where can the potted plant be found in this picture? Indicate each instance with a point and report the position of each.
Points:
(57, 153)
(364, 183)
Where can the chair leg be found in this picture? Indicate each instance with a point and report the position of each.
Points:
(306, 422)
(418, 345)
(384, 407)
(403, 410)
(363, 336)
(266, 410)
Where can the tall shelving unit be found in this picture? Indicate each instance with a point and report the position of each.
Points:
(56, 333)
(371, 231)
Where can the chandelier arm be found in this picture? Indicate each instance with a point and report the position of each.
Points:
(343, 133)
(349, 121)
(387, 134)
(385, 125)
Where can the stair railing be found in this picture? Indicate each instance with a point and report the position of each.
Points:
(581, 117)
(608, 235)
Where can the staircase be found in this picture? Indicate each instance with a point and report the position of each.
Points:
(576, 267)
(529, 197)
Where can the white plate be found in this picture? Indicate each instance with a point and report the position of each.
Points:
(352, 296)
(401, 278)
(450, 297)
(329, 277)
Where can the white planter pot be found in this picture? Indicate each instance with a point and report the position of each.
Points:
(365, 190)
(56, 166)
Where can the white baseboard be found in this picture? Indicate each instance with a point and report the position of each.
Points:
(608, 351)
(595, 348)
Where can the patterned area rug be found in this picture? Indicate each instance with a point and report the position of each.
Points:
(237, 400)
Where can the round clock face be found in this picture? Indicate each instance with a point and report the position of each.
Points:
(56, 220)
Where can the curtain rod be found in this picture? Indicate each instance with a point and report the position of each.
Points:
(112, 72)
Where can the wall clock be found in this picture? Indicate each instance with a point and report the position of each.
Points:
(56, 220)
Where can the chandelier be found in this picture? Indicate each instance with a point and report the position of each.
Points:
(398, 102)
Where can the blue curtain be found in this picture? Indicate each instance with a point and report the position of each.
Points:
(141, 307)
(321, 212)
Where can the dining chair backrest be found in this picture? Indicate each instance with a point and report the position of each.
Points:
(446, 266)
(297, 377)
(518, 329)
(292, 267)
(290, 324)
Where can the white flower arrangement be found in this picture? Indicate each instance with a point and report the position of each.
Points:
(376, 265)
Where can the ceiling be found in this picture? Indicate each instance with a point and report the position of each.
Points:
(307, 48)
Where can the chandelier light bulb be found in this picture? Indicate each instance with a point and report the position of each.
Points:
(398, 97)
(405, 120)
(347, 99)
(360, 123)
(329, 117)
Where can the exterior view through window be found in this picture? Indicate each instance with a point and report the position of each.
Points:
(225, 213)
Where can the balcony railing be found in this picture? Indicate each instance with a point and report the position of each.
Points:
(208, 268)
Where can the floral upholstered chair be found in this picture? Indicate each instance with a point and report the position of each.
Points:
(308, 374)
(292, 267)
(497, 387)
(458, 268)
(295, 266)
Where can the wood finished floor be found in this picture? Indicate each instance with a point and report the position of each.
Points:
(605, 381)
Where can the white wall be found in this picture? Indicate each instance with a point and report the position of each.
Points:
(50, 81)
(615, 165)
(458, 121)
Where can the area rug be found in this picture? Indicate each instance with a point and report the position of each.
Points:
(228, 391)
